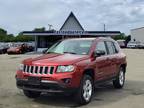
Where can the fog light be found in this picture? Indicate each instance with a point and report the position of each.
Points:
(66, 80)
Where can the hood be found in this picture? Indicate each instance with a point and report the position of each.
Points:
(56, 59)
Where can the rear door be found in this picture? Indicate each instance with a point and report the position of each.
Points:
(112, 57)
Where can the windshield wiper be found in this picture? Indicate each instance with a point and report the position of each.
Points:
(52, 52)
(70, 52)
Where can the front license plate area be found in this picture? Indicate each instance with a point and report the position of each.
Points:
(34, 80)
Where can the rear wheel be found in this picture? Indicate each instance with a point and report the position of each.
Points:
(31, 94)
(85, 91)
(120, 79)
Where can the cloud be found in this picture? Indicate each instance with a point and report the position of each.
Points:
(123, 15)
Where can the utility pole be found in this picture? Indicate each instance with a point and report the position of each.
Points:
(104, 27)
(50, 26)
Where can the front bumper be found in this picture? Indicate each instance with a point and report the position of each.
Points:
(44, 86)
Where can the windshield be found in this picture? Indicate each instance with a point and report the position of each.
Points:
(79, 47)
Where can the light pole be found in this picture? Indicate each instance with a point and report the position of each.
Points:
(104, 27)
(50, 26)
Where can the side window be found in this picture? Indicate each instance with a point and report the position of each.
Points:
(117, 48)
(101, 46)
(111, 48)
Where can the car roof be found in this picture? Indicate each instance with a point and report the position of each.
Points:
(99, 38)
(80, 39)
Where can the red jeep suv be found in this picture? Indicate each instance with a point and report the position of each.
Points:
(73, 66)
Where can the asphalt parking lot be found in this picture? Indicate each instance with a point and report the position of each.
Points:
(131, 96)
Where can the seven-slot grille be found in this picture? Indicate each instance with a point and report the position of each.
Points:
(38, 69)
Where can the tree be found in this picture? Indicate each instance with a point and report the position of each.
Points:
(9, 38)
(122, 36)
(4, 37)
(22, 38)
(3, 34)
(39, 29)
(128, 38)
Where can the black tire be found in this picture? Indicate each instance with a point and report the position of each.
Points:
(31, 94)
(79, 97)
(119, 81)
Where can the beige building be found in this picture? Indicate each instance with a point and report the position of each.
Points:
(137, 34)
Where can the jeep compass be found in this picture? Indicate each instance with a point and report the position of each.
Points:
(73, 66)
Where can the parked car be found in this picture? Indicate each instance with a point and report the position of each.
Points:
(20, 49)
(122, 43)
(14, 50)
(73, 66)
(134, 44)
(3, 49)
(141, 46)
(17, 50)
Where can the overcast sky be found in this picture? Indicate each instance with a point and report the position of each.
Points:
(121, 15)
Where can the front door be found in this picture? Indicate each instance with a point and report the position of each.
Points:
(102, 63)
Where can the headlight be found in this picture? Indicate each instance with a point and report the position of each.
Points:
(68, 68)
(21, 67)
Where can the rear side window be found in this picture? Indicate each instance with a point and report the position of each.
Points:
(101, 46)
(111, 48)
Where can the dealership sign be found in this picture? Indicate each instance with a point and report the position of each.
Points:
(69, 32)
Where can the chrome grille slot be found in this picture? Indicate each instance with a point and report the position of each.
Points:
(38, 69)
(51, 70)
(27, 69)
(46, 70)
(32, 68)
(41, 70)
(24, 68)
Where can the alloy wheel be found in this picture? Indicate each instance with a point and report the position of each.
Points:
(87, 90)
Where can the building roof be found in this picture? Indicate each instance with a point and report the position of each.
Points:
(71, 23)
(72, 27)
(137, 28)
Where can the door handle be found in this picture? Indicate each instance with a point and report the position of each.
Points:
(114, 60)
(108, 60)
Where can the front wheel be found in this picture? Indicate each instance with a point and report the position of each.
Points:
(31, 94)
(85, 91)
(120, 79)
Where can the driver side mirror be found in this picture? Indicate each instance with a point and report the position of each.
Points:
(44, 51)
(99, 53)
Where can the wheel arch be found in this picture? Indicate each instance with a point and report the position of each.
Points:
(90, 72)
(124, 67)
